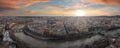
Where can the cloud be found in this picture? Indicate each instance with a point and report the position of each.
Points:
(61, 12)
(88, 12)
(96, 12)
(30, 12)
(30, 2)
(107, 2)
(14, 4)
(53, 7)
(73, 7)
(6, 5)
(49, 12)
(76, 6)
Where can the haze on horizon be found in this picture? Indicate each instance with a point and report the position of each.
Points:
(59, 7)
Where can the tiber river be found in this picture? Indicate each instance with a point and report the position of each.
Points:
(35, 43)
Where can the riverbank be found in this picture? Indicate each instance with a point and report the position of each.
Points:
(35, 43)
(19, 42)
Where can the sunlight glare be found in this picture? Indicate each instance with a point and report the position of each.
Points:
(80, 13)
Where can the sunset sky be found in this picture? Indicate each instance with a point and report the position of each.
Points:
(59, 7)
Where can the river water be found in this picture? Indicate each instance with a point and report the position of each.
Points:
(35, 43)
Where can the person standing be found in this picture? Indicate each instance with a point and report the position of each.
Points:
(6, 33)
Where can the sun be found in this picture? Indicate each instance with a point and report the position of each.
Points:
(79, 13)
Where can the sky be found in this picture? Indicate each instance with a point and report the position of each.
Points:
(59, 7)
